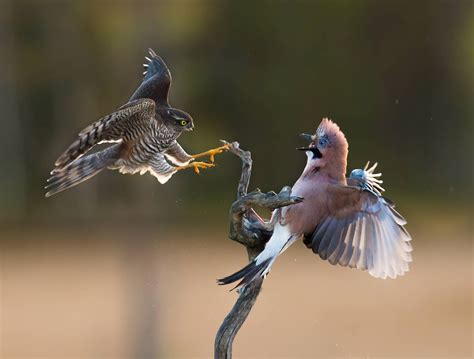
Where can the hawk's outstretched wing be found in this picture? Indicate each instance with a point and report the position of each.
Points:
(129, 121)
(364, 231)
(156, 81)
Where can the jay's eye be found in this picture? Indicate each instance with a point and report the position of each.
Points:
(323, 142)
(183, 122)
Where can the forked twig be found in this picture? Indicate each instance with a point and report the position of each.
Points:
(247, 228)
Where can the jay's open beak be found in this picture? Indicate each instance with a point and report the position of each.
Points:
(314, 150)
(307, 137)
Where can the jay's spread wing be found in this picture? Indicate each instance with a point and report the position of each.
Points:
(156, 81)
(129, 121)
(363, 231)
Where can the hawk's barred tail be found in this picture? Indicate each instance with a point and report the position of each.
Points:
(87, 138)
(80, 170)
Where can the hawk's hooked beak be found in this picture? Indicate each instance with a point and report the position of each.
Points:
(307, 137)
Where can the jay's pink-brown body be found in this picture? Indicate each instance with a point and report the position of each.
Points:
(346, 221)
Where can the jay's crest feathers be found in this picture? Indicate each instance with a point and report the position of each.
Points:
(330, 130)
(330, 149)
(333, 145)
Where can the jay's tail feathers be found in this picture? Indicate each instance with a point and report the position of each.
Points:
(260, 266)
(80, 170)
(247, 274)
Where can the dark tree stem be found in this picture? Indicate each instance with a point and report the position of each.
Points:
(253, 236)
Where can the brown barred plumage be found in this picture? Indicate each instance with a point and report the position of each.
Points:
(131, 120)
(145, 131)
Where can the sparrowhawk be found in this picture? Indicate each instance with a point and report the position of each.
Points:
(144, 132)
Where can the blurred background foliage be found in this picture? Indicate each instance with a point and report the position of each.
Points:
(122, 267)
(397, 77)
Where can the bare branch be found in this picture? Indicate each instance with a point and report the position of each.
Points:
(247, 228)
(246, 158)
(234, 320)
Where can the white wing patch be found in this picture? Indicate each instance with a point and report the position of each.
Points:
(110, 141)
(175, 161)
(162, 177)
(132, 170)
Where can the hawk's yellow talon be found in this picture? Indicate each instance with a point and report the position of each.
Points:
(212, 152)
(196, 166)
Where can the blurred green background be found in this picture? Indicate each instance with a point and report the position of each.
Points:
(123, 267)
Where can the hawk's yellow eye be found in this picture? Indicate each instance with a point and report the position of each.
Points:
(184, 123)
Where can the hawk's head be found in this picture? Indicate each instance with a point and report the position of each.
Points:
(177, 120)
